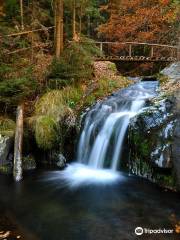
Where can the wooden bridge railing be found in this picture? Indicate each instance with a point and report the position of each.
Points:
(174, 50)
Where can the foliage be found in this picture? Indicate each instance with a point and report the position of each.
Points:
(75, 65)
(11, 8)
(141, 20)
(15, 88)
(56, 105)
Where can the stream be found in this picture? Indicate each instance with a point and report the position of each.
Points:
(93, 199)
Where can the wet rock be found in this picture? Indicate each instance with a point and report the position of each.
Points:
(61, 161)
(6, 144)
(151, 137)
(29, 162)
(176, 141)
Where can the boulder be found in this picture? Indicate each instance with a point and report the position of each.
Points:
(6, 144)
(151, 137)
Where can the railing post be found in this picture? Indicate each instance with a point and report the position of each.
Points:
(152, 51)
(130, 50)
(101, 47)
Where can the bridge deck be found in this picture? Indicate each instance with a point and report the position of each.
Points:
(134, 59)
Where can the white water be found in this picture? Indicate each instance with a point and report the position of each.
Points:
(100, 147)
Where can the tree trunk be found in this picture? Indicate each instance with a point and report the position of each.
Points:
(80, 20)
(89, 26)
(74, 19)
(17, 170)
(22, 14)
(62, 25)
(59, 12)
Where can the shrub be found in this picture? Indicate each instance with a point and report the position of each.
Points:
(15, 88)
(75, 65)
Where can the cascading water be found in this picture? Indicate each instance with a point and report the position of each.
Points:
(106, 126)
(101, 142)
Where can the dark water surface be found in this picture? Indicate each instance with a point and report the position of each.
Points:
(47, 210)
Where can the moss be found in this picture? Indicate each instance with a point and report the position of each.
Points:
(6, 169)
(7, 126)
(166, 180)
(46, 132)
(141, 167)
(142, 145)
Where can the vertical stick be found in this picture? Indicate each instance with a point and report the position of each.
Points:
(32, 50)
(101, 47)
(89, 25)
(74, 19)
(130, 50)
(22, 14)
(17, 168)
(152, 51)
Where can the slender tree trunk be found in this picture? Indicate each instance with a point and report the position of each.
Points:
(59, 12)
(22, 14)
(89, 26)
(74, 19)
(32, 34)
(62, 25)
(80, 20)
(17, 169)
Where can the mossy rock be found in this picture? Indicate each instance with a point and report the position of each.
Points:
(46, 132)
(7, 127)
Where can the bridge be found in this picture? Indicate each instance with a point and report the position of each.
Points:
(128, 52)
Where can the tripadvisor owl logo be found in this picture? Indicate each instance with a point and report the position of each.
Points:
(139, 231)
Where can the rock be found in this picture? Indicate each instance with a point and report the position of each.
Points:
(176, 141)
(6, 144)
(61, 161)
(172, 71)
(151, 137)
(29, 162)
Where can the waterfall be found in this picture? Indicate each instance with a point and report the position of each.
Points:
(105, 126)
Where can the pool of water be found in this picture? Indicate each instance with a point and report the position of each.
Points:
(45, 208)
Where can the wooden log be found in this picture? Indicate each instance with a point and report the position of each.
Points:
(17, 168)
(30, 31)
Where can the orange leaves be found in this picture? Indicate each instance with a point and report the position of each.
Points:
(164, 2)
(139, 20)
